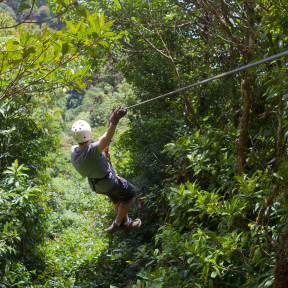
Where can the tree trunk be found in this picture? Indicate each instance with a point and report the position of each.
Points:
(280, 130)
(241, 143)
(281, 269)
(246, 90)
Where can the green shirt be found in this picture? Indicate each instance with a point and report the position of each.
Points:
(89, 163)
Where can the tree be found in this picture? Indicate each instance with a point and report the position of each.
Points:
(37, 59)
(34, 63)
(242, 139)
(4, 9)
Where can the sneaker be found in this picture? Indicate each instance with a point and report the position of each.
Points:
(114, 227)
(132, 225)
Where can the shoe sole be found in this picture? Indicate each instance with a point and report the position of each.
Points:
(130, 232)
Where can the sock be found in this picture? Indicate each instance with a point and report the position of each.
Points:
(118, 224)
(127, 222)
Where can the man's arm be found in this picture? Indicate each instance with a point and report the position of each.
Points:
(105, 140)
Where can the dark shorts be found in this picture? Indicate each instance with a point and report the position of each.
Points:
(124, 192)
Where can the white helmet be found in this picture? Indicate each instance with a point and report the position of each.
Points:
(81, 131)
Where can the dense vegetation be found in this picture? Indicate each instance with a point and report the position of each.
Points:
(210, 163)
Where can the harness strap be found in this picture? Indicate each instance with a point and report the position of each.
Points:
(96, 180)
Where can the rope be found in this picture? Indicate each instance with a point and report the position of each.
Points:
(265, 60)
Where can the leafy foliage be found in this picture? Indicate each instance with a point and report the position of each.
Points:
(22, 213)
(211, 162)
(34, 58)
(220, 231)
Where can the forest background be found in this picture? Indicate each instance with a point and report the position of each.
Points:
(210, 163)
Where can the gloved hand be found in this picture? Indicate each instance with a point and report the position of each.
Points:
(117, 114)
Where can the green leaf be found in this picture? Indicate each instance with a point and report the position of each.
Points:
(3, 113)
(108, 25)
(29, 51)
(61, 3)
(23, 7)
(230, 222)
(117, 4)
(80, 35)
(82, 12)
(24, 38)
(102, 20)
(108, 34)
(190, 187)
(7, 132)
(71, 27)
(66, 39)
(15, 164)
(214, 274)
(8, 172)
(257, 256)
(52, 76)
(103, 44)
(97, 28)
(78, 26)
(269, 283)
(57, 47)
(5, 227)
(190, 260)
(142, 275)
(68, 73)
(85, 70)
(65, 48)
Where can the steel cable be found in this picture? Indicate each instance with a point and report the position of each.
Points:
(265, 60)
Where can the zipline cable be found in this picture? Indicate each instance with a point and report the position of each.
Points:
(265, 60)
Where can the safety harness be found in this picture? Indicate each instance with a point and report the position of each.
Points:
(94, 181)
(106, 151)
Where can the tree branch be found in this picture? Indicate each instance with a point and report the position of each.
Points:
(262, 210)
(29, 46)
(20, 75)
(157, 25)
(34, 22)
(38, 80)
(141, 34)
(20, 23)
(188, 103)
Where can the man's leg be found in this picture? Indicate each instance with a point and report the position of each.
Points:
(116, 207)
(122, 211)
(129, 224)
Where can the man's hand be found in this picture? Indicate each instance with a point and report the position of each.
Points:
(117, 114)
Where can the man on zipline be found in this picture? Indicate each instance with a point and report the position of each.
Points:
(89, 161)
